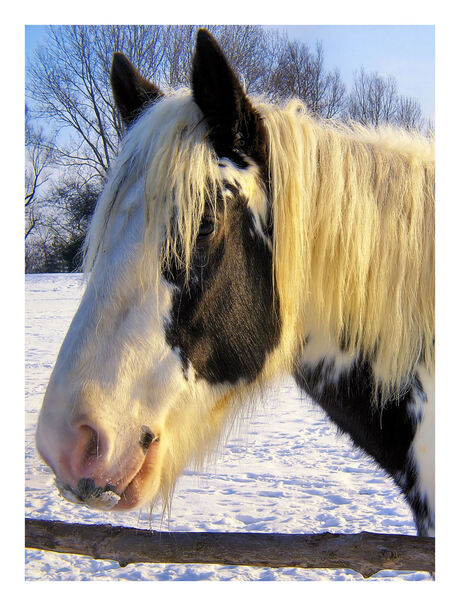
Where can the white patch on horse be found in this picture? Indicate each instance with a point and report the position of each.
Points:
(247, 181)
(320, 349)
(423, 444)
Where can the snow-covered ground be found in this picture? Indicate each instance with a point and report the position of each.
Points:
(284, 469)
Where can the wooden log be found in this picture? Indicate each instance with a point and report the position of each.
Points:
(366, 552)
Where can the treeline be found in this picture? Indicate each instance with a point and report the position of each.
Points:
(73, 129)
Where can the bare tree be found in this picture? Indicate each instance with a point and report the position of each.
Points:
(409, 114)
(429, 128)
(335, 96)
(374, 100)
(39, 157)
(301, 73)
(56, 244)
(68, 84)
(68, 80)
(250, 50)
(39, 252)
(175, 68)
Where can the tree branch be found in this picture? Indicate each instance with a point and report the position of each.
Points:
(366, 553)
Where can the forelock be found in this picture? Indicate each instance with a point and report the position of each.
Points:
(168, 150)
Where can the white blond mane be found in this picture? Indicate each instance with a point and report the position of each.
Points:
(354, 238)
(353, 216)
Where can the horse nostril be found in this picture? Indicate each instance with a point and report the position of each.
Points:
(91, 451)
(147, 437)
(88, 448)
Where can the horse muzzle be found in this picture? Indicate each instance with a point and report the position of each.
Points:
(93, 468)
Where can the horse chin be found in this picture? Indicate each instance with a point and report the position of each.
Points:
(144, 485)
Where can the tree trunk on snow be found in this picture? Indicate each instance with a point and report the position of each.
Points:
(366, 553)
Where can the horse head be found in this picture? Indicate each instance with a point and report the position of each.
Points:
(180, 315)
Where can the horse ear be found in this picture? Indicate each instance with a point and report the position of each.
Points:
(131, 91)
(235, 126)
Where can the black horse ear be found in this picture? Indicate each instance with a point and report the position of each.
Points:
(235, 126)
(131, 91)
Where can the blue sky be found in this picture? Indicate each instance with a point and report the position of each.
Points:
(404, 51)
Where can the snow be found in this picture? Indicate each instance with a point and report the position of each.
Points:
(284, 469)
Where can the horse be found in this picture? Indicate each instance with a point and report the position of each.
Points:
(236, 240)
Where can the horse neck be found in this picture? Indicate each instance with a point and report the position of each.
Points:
(353, 241)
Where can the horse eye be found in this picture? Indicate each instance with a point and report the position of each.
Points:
(206, 228)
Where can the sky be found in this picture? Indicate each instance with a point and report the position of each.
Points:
(405, 51)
